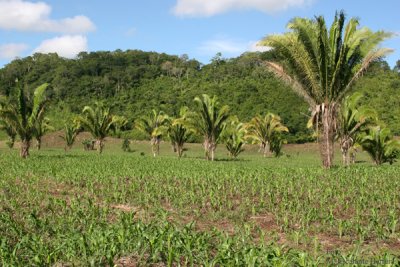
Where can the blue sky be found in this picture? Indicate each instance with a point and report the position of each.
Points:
(199, 28)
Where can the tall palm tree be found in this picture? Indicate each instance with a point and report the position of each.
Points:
(177, 132)
(380, 145)
(352, 121)
(98, 121)
(22, 115)
(264, 130)
(322, 65)
(208, 121)
(154, 126)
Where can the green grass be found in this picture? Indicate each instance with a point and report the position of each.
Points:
(80, 208)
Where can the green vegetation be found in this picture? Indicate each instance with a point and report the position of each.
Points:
(81, 209)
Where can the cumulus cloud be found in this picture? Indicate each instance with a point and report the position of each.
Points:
(230, 47)
(34, 16)
(12, 50)
(65, 46)
(198, 8)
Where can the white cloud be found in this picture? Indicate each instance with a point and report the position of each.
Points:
(12, 50)
(34, 16)
(229, 47)
(198, 8)
(254, 47)
(65, 46)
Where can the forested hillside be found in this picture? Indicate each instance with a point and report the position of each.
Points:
(134, 82)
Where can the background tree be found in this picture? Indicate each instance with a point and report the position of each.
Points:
(380, 145)
(208, 121)
(71, 130)
(177, 132)
(322, 65)
(22, 115)
(99, 122)
(154, 126)
(234, 137)
(265, 130)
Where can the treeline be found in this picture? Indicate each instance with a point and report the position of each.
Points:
(134, 82)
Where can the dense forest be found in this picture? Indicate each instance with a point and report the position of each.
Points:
(133, 82)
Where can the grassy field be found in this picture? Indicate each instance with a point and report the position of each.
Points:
(128, 208)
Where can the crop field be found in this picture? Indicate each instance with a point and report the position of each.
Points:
(130, 209)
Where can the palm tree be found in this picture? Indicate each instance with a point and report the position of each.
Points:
(351, 122)
(265, 130)
(321, 65)
(153, 126)
(22, 115)
(380, 145)
(234, 137)
(177, 132)
(10, 131)
(99, 122)
(70, 132)
(42, 127)
(208, 121)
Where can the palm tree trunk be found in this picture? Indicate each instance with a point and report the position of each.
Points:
(206, 145)
(328, 135)
(155, 146)
(179, 150)
(38, 143)
(25, 144)
(100, 145)
(212, 148)
(265, 149)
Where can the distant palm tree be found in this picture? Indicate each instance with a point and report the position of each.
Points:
(98, 121)
(42, 127)
(154, 126)
(22, 115)
(177, 132)
(322, 65)
(352, 121)
(234, 137)
(380, 145)
(208, 121)
(265, 130)
(70, 133)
